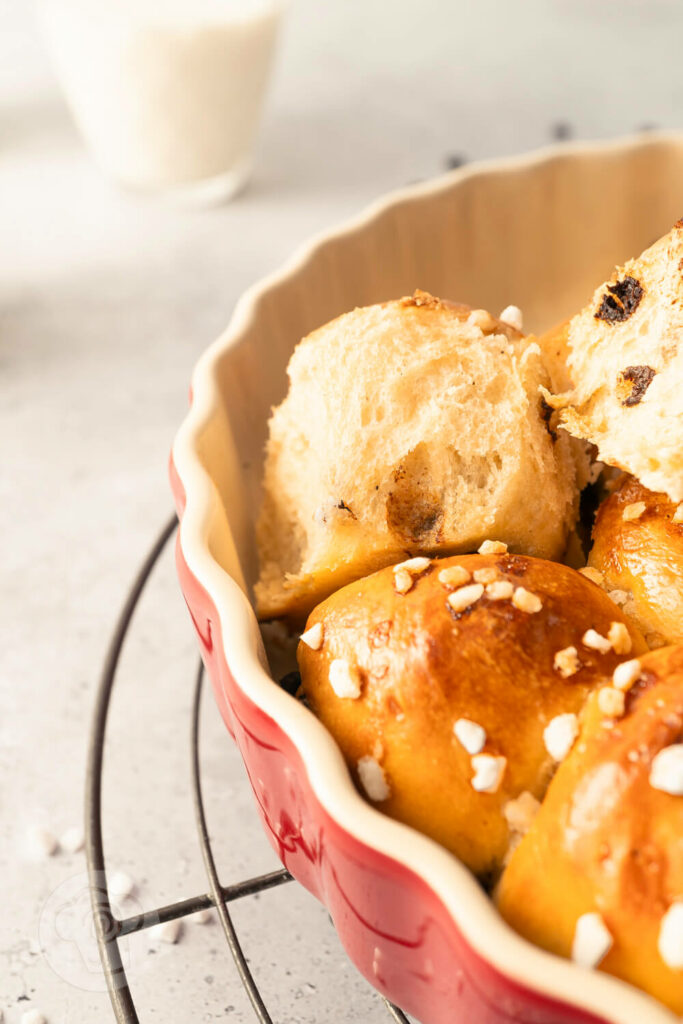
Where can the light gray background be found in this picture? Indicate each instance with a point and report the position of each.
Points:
(106, 302)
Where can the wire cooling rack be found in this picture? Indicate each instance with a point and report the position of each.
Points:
(110, 929)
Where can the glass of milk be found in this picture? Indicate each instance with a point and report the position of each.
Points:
(167, 93)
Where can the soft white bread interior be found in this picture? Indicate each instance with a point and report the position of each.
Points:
(626, 364)
(414, 426)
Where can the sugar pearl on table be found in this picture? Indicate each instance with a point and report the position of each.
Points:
(373, 779)
(488, 772)
(666, 770)
(33, 1017)
(167, 931)
(559, 735)
(313, 637)
(202, 916)
(344, 679)
(121, 885)
(41, 842)
(592, 940)
(670, 940)
(72, 840)
(470, 735)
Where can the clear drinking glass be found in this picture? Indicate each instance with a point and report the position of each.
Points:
(167, 93)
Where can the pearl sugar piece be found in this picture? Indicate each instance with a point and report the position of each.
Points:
(666, 771)
(167, 931)
(670, 941)
(471, 735)
(344, 679)
(121, 885)
(559, 735)
(373, 779)
(592, 940)
(41, 842)
(72, 840)
(488, 772)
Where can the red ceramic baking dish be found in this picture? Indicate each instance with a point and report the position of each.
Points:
(537, 231)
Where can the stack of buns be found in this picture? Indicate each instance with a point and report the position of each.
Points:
(421, 516)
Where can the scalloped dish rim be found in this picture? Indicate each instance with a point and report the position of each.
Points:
(473, 912)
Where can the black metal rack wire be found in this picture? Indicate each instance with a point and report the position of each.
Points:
(110, 929)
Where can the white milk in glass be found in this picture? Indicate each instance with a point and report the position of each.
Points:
(167, 93)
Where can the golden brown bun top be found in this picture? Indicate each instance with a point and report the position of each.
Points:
(606, 840)
(422, 666)
(642, 556)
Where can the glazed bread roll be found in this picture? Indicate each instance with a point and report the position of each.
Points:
(412, 426)
(638, 548)
(599, 875)
(626, 363)
(442, 682)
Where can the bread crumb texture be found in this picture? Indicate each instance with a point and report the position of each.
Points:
(626, 362)
(407, 429)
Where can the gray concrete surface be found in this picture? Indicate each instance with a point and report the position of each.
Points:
(106, 301)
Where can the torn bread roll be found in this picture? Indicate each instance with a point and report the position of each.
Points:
(414, 426)
(625, 359)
